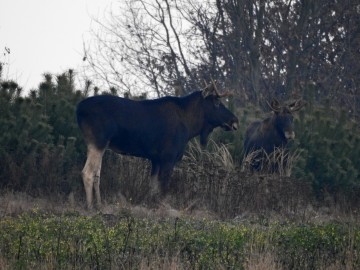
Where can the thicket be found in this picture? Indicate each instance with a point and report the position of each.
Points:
(39, 151)
(42, 152)
(70, 241)
(330, 151)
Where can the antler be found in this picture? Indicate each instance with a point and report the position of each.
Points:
(226, 94)
(274, 105)
(297, 105)
(215, 88)
(293, 107)
(212, 87)
(206, 89)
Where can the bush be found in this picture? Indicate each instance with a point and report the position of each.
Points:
(315, 246)
(331, 151)
(36, 240)
(38, 137)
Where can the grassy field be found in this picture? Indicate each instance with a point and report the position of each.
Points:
(47, 233)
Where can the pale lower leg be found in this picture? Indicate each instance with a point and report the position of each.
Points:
(97, 187)
(154, 185)
(88, 181)
(91, 174)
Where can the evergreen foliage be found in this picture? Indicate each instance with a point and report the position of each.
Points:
(331, 150)
(38, 134)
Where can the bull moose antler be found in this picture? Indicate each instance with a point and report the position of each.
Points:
(297, 105)
(275, 105)
(212, 87)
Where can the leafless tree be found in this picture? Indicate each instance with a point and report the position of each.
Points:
(258, 48)
(144, 48)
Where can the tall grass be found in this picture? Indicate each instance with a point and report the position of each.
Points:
(215, 154)
(211, 177)
(280, 161)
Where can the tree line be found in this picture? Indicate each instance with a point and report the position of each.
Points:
(257, 48)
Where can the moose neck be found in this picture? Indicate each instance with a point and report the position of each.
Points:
(278, 129)
(193, 114)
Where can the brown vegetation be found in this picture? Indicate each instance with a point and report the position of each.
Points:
(207, 183)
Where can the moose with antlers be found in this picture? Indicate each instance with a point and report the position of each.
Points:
(272, 133)
(157, 129)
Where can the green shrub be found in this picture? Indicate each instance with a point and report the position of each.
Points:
(38, 137)
(110, 242)
(331, 150)
(64, 241)
(309, 246)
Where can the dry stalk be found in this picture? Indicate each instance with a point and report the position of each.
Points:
(280, 161)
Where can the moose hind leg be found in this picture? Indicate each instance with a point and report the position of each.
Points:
(154, 179)
(91, 174)
(97, 186)
(166, 170)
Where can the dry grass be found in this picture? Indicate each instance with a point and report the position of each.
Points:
(216, 154)
(14, 203)
(211, 178)
(262, 261)
(162, 263)
(206, 184)
(280, 161)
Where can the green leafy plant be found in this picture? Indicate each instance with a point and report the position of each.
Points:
(73, 241)
(331, 151)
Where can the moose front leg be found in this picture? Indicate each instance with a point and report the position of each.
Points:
(97, 186)
(154, 179)
(166, 170)
(91, 174)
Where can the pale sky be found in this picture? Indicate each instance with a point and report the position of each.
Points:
(45, 36)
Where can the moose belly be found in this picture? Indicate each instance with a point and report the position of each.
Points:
(127, 146)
